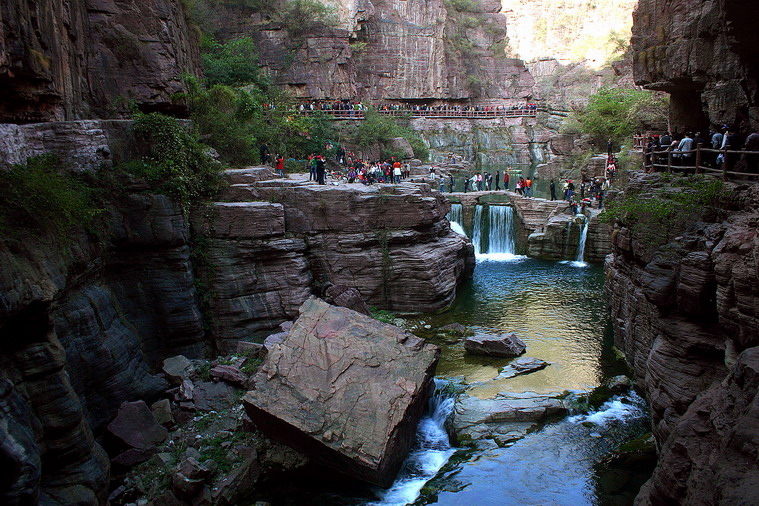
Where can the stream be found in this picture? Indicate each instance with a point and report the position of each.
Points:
(558, 309)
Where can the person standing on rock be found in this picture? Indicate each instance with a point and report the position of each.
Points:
(264, 152)
(312, 167)
(610, 147)
(479, 181)
(450, 183)
(553, 190)
(497, 180)
(506, 180)
(320, 169)
(528, 186)
(397, 172)
(280, 165)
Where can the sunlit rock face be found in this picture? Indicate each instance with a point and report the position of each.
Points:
(686, 317)
(81, 59)
(704, 54)
(568, 31)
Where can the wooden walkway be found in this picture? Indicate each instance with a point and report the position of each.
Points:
(673, 161)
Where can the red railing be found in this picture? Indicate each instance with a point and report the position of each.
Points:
(359, 114)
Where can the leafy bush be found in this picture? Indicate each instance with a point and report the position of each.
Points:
(39, 196)
(176, 163)
(463, 5)
(664, 211)
(233, 63)
(379, 129)
(618, 113)
(299, 17)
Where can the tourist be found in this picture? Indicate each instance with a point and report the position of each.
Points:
(280, 165)
(442, 185)
(397, 172)
(488, 180)
(610, 147)
(479, 181)
(264, 153)
(320, 169)
(506, 178)
(497, 180)
(528, 186)
(552, 187)
(684, 149)
(582, 187)
(570, 190)
(733, 142)
(450, 183)
(473, 182)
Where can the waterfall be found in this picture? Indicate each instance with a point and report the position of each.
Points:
(477, 230)
(456, 217)
(430, 453)
(578, 261)
(583, 238)
(501, 236)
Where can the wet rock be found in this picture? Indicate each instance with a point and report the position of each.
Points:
(136, 426)
(454, 329)
(133, 456)
(524, 365)
(509, 416)
(619, 384)
(495, 346)
(178, 368)
(345, 389)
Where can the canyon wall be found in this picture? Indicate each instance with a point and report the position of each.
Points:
(705, 55)
(392, 50)
(686, 317)
(80, 59)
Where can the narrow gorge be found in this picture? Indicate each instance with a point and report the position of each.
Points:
(245, 257)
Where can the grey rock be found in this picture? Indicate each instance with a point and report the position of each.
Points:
(495, 346)
(136, 426)
(178, 368)
(523, 365)
(211, 396)
(162, 412)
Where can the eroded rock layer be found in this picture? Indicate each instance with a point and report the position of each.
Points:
(687, 318)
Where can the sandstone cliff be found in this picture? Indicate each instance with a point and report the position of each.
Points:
(704, 54)
(77, 59)
(686, 317)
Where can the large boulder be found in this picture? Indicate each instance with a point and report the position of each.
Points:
(495, 346)
(345, 389)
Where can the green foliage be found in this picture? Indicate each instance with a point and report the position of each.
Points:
(299, 17)
(463, 5)
(618, 113)
(382, 315)
(233, 63)
(664, 211)
(176, 163)
(40, 197)
(379, 129)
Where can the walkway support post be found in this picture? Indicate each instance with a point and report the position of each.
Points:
(698, 157)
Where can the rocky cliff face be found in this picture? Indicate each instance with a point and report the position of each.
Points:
(704, 54)
(686, 318)
(395, 50)
(76, 59)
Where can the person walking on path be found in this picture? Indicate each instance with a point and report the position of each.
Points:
(610, 147)
(553, 190)
(280, 165)
(450, 183)
(506, 180)
(497, 180)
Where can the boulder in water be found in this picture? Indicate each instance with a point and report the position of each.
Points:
(495, 346)
(345, 389)
(524, 365)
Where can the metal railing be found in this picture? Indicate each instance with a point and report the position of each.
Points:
(675, 160)
(347, 114)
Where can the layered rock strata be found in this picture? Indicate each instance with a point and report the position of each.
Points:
(346, 389)
(77, 59)
(686, 317)
(704, 54)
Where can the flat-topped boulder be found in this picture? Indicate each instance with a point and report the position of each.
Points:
(505, 345)
(345, 389)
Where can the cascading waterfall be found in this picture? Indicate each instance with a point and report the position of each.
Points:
(430, 453)
(456, 217)
(477, 230)
(578, 261)
(501, 236)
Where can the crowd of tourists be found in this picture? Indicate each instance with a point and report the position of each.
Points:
(673, 148)
(352, 106)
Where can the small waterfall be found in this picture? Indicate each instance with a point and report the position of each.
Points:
(583, 238)
(456, 214)
(501, 236)
(477, 230)
(456, 217)
(429, 455)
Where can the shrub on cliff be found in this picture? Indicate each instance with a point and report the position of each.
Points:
(379, 129)
(619, 112)
(660, 211)
(38, 196)
(234, 63)
(176, 162)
